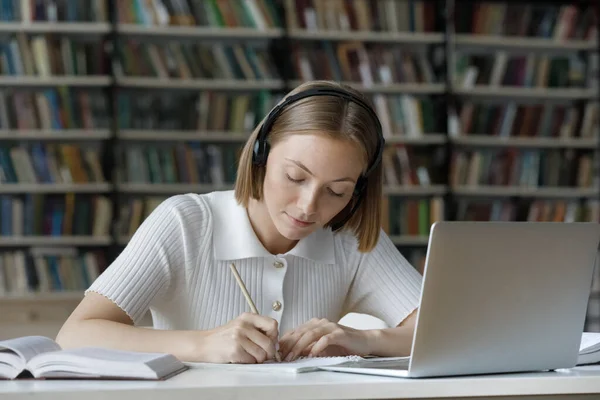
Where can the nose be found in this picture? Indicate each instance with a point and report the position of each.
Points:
(307, 202)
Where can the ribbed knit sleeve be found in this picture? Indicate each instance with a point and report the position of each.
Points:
(385, 284)
(155, 258)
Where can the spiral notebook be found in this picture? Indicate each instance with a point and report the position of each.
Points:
(310, 364)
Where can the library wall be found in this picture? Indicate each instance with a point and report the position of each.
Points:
(490, 110)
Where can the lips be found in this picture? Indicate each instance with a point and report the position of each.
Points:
(299, 222)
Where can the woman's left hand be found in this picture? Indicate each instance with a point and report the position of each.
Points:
(320, 337)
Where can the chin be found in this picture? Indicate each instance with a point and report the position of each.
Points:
(292, 232)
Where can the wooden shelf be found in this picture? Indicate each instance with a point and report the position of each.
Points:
(199, 84)
(525, 93)
(494, 43)
(55, 187)
(413, 88)
(534, 142)
(368, 36)
(169, 188)
(79, 28)
(20, 241)
(56, 134)
(174, 135)
(431, 190)
(515, 191)
(197, 32)
(39, 81)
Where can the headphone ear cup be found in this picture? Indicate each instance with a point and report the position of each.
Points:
(261, 152)
(361, 183)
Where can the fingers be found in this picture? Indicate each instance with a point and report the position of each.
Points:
(306, 340)
(289, 340)
(335, 338)
(264, 342)
(268, 325)
(257, 354)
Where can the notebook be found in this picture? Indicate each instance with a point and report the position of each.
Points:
(589, 354)
(39, 357)
(589, 350)
(309, 364)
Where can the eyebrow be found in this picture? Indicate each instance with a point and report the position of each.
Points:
(300, 165)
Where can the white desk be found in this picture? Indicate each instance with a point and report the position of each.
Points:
(577, 384)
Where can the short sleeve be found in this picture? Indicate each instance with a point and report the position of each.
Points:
(385, 285)
(148, 267)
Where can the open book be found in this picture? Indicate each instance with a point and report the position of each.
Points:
(40, 357)
(310, 364)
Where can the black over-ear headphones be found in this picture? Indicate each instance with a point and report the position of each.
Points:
(261, 146)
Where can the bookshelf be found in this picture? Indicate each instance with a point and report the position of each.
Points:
(173, 92)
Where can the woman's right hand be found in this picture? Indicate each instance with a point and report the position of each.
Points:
(248, 339)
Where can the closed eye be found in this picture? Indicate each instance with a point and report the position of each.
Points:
(335, 193)
(293, 180)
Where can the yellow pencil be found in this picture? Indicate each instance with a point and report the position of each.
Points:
(242, 286)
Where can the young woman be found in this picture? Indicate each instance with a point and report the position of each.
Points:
(302, 227)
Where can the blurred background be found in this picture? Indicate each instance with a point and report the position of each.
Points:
(490, 110)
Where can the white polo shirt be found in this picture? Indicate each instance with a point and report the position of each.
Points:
(177, 266)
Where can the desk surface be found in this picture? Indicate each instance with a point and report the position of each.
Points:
(212, 384)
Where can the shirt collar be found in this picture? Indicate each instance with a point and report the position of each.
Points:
(234, 238)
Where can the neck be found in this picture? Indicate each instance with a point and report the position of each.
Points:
(265, 230)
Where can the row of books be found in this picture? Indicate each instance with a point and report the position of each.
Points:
(209, 163)
(524, 168)
(549, 120)
(404, 115)
(201, 111)
(259, 14)
(411, 217)
(560, 22)
(92, 215)
(531, 70)
(534, 210)
(48, 55)
(133, 211)
(189, 60)
(56, 10)
(404, 166)
(363, 15)
(485, 17)
(367, 63)
(50, 163)
(189, 162)
(55, 215)
(42, 270)
(60, 108)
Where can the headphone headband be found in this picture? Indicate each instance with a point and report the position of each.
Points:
(261, 146)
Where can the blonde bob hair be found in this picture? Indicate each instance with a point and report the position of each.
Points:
(337, 118)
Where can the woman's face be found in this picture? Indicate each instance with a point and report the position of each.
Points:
(309, 180)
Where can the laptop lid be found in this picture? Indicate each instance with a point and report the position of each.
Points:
(503, 297)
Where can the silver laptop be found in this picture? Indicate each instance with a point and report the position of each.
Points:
(500, 297)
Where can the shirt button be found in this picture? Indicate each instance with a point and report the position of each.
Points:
(276, 306)
(278, 264)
